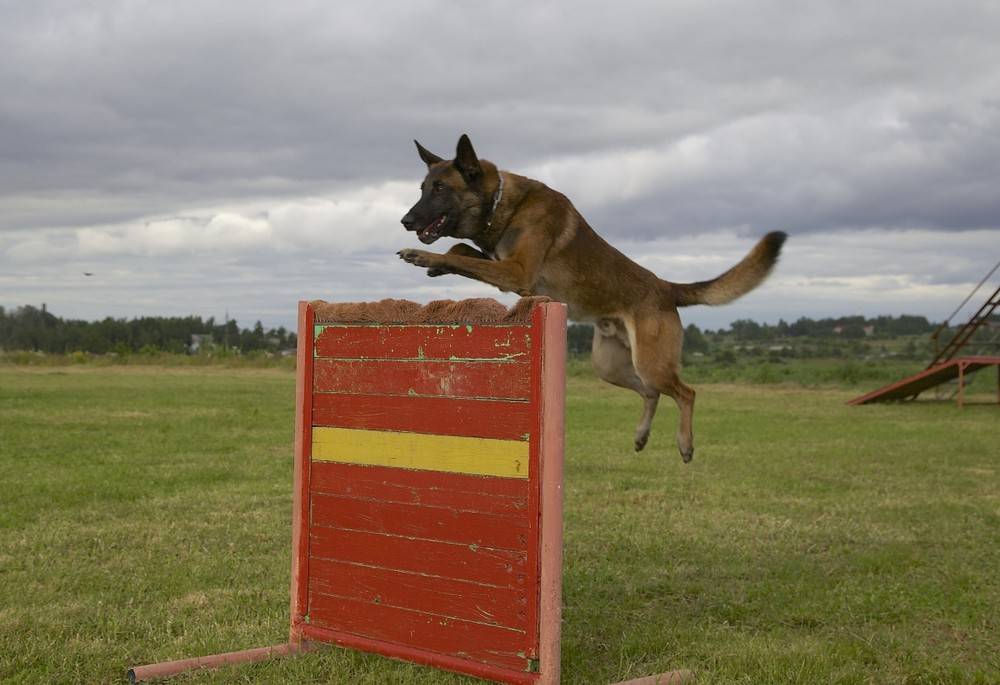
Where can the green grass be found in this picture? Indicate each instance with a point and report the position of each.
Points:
(145, 516)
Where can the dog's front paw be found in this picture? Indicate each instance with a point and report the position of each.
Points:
(417, 257)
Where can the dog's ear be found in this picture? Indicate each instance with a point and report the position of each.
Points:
(466, 161)
(429, 157)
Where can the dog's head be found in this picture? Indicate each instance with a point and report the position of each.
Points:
(452, 201)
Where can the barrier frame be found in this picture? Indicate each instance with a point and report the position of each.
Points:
(548, 323)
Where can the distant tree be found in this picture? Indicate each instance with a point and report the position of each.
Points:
(694, 341)
(579, 337)
(745, 329)
(853, 330)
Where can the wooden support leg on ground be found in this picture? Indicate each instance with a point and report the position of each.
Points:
(961, 385)
(138, 674)
(669, 678)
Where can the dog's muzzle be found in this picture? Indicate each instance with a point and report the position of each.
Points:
(429, 233)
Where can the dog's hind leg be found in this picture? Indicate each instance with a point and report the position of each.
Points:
(656, 341)
(612, 362)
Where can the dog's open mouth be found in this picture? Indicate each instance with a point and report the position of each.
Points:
(432, 231)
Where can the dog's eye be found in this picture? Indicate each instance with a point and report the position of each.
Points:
(438, 187)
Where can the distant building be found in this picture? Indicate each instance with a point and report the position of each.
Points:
(199, 342)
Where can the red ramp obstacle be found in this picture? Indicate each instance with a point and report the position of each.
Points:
(427, 517)
(910, 387)
(946, 366)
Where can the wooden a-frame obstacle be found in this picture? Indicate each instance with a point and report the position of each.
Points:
(947, 366)
(427, 517)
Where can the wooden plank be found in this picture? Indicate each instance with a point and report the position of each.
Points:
(928, 378)
(448, 524)
(301, 472)
(497, 567)
(499, 380)
(476, 641)
(482, 456)
(386, 484)
(442, 596)
(443, 342)
(551, 416)
(396, 650)
(439, 415)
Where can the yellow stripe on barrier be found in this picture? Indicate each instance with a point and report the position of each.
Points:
(475, 456)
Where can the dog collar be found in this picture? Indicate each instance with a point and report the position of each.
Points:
(496, 200)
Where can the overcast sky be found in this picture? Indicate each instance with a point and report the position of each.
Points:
(204, 157)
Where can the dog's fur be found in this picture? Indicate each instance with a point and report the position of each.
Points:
(534, 242)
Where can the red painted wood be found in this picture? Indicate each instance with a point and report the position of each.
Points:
(455, 598)
(551, 416)
(386, 484)
(502, 568)
(424, 565)
(534, 505)
(500, 380)
(167, 669)
(437, 415)
(443, 342)
(926, 379)
(448, 524)
(422, 656)
(454, 637)
(301, 471)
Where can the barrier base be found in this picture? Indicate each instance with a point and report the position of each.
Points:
(165, 669)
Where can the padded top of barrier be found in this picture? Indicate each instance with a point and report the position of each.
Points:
(389, 311)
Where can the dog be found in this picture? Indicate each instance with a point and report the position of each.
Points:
(530, 240)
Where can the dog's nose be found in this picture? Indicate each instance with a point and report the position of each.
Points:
(408, 221)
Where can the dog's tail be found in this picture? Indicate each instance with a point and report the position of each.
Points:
(739, 280)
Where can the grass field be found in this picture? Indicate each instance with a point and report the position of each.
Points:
(145, 516)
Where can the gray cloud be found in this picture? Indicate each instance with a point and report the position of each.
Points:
(126, 125)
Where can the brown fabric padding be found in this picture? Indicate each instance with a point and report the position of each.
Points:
(478, 310)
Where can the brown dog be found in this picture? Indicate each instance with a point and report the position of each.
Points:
(532, 241)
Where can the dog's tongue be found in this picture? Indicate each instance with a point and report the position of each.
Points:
(430, 230)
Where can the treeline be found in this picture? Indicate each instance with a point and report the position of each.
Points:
(828, 333)
(38, 330)
(847, 327)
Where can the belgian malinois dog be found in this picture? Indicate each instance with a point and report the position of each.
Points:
(532, 241)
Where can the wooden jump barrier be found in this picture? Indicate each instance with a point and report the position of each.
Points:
(427, 518)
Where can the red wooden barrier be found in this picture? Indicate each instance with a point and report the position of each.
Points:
(429, 476)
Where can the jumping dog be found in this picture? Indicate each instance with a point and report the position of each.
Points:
(532, 241)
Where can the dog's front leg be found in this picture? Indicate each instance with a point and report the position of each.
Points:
(507, 274)
(430, 260)
(460, 249)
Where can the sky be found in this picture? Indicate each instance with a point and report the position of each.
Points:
(220, 157)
